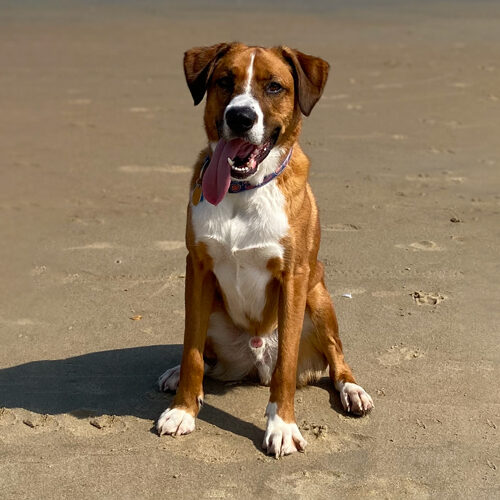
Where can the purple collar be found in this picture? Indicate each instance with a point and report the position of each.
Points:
(239, 186)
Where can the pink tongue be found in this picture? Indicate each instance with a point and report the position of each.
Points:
(217, 177)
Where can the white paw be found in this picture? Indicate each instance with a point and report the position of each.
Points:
(281, 438)
(354, 398)
(175, 421)
(169, 380)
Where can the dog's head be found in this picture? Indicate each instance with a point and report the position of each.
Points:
(255, 98)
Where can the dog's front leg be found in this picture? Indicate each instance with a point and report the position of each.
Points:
(282, 435)
(200, 287)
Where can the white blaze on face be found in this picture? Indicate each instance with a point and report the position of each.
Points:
(248, 86)
(256, 134)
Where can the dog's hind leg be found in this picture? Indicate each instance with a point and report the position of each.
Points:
(168, 381)
(312, 362)
(354, 398)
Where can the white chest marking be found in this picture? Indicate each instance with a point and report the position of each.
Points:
(242, 233)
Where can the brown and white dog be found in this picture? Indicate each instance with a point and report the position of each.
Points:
(256, 301)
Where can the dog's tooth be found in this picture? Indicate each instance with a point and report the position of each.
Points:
(230, 161)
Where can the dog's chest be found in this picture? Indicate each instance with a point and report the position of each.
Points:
(242, 234)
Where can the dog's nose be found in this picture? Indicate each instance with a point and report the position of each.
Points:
(240, 119)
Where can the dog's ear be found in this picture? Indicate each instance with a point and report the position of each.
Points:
(310, 75)
(199, 62)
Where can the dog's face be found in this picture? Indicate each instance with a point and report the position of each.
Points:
(255, 96)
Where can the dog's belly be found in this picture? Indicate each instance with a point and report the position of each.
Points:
(242, 234)
(236, 357)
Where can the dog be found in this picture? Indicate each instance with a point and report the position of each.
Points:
(256, 303)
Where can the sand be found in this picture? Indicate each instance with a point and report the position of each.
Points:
(97, 137)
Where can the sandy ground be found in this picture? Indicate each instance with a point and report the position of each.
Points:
(97, 137)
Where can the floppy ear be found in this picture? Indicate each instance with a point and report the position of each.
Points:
(310, 74)
(199, 62)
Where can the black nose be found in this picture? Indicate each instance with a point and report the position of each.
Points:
(240, 119)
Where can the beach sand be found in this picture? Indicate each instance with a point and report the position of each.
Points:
(97, 138)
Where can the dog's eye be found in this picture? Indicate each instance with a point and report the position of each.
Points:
(274, 88)
(226, 83)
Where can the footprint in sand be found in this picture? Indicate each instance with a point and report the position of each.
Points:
(397, 354)
(425, 245)
(38, 270)
(39, 422)
(7, 417)
(108, 423)
(427, 298)
(84, 421)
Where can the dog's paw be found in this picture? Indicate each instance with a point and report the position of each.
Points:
(354, 398)
(281, 438)
(169, 380)
(175, 421)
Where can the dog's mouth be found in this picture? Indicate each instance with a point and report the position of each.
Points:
(249, 156)
(236, 158)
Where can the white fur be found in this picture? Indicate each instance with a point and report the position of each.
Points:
(176, 422)
(354, 398)
(281, 438)
(248, 87)
(256, 134)
(236, 358)
(242, 233)
(169, 380)
(269, 165)
(265, 357)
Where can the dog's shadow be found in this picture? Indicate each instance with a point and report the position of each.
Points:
(116, 382)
